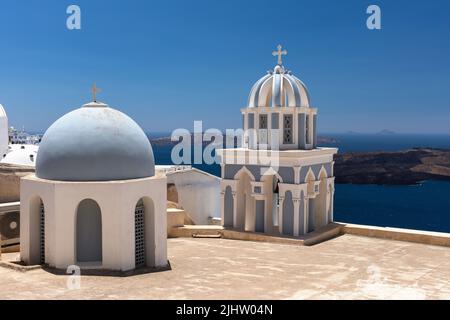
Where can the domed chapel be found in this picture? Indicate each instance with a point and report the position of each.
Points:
(94, 200)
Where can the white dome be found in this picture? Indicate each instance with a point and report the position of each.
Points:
(22, 155)
(94, 143)
(279, 88)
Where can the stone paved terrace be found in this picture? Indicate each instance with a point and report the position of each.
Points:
(347, 267)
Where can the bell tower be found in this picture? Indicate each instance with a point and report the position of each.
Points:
(280, 181)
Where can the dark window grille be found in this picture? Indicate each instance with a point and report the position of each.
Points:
(140, 235)
(42, 234)
(287, 129)
(263, 129)
(263, 121)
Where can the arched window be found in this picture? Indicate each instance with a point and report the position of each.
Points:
(37, 231)
(228, 208)
(89, 232)
(288, 214)
(144, 237)
(139, 228)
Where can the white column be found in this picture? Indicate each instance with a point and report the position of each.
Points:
(245, 121)
(327, 203)
(269, 130)
(280, 213)
(332, 203)
(296, 216)
(222, 206)
(280, 128)
(297, 174)
(305, 214)
(235, 222)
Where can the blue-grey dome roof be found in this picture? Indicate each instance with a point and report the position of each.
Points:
(279, 88)
(94, 143)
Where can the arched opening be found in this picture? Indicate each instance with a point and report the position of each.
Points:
(89, 232)
(228, 208)
(139, 234)
(245, 213)
(144, 238)
(275, 199)
(37, 231)
(320, 210)
(310, 180)
(288, 214)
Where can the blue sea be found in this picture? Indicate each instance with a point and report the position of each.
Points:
(423, 207)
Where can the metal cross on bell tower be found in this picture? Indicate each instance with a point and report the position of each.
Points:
(279, 53)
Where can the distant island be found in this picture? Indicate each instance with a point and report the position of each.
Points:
(386, 132)
(382, 132)
(167, 140)
(393, 168)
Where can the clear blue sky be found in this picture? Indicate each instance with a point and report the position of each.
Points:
(168, 63)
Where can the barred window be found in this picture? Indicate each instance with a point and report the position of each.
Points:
(42, 234)
(263, 121)
(263, 128)
(287, 129)
(139, 225)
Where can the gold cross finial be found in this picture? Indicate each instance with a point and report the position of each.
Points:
(95, 90)
(279, 53)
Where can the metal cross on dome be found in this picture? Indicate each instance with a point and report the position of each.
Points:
(95, 90)
(279, 53)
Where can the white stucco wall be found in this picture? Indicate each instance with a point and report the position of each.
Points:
(117, 201)
(198, 193)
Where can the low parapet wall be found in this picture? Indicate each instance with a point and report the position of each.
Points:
(198, 231)
(10, 181)
(332, 230)
(417, 236)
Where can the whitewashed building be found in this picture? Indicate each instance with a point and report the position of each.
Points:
(19, 152)
(280, 181)
(94, 200)
(198, 193)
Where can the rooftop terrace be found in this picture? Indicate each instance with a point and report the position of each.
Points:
(346, 267)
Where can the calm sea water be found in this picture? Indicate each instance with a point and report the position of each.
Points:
(424, 207)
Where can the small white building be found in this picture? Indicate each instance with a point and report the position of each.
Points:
(20, 153)
(198, 192)
(94, 200)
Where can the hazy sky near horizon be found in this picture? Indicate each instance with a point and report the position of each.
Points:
(168, 63)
